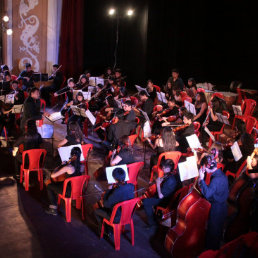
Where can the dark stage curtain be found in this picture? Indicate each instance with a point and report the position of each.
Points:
(71, 41)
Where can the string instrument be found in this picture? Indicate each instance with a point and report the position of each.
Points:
(115, 119)
(179, 128)
(54, 73)
(62, 177)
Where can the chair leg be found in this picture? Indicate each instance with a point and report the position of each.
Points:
(132, 232)
(83, 218)
(68, 204)
(102, 229)
(58, 202)
(78, 203)
(40, 173)
(21, 175)
(26, 179)
(117, 233)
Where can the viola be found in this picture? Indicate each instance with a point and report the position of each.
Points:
(178, 128)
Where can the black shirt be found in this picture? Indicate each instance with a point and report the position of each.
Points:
(148, 107)
(29, 141)
(178, 84)
(126, 156)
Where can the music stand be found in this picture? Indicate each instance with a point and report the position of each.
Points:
(237, 110)
(222, 119)
(162, 97)
(17, 109)
(139, 88)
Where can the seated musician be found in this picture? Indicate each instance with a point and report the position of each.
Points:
(212, 123)
(57, 78)
(184, 132)
(192, 92)
(191, 83)
(31, 139)
(118, 79)
(70, 169)
(147, 103)
(6, 84)
(201, 108)
(119, 192)
(216, 193)
(126, 123)
(68, 90)
(83, 83)
(26, 77)
(4, 122)
(18, 93)
(178, 97)
(74, 135)
(163, 116)
(125, 155)
(151, 90)
(166, 187)
(168, 90)
(108, 73)
(176, 81)
(80, 103)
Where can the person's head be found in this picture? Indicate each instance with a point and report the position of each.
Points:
(75, 155)
(143, 95)
(34, 93)
(174, 92)
(100, 86)
(171, 103)
(55, 67)
(110, 101)
(191, 82)
(119, 175)
(15, 85)
(240, 126)
(215, 103)
(30, 127)
(4, 68)
(169, 85)
(118, 73)
(74, 130)
(7, 76)
(200, 97)
(188, 118)
(194, 89)
(167, 165)
(70, 82)
(87, 73)
(182, 111)
(28, 67)
(83, 79)
(127, 106)
(79, 97)
(109, 71)
(168, 139)
(150, 84)
(175, 73)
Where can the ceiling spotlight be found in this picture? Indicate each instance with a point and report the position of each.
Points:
(111, 11)
(130, 12)
(6, 18)
(9, 32)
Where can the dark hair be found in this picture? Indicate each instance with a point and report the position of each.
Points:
(70, 80)
(241, 126)
(193, 81)
(175, 70)
(74, 130)
(4, 67)
(150, 81)
(202, 98)
(7, 73)
(100, 85)
(32, 90)
(143, 93)
(119, 175)
(168, 139)
(27, 65)
(194, 86)
(79, 94)
(118, 70)
(15, 82)
(111, 101)
(31, 127)
(128, 103)
(56, 65)
(189, 115)
(76, 151)
(81, 77)
(167, 163)
(172, 100)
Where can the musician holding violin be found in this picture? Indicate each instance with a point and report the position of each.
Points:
(67, 169)
(18, 93)
(119, 192)
(27, 77)
(166, 187)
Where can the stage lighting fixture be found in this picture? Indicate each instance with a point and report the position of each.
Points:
(130, 12)
(111, 11)
(9, 32)
(6, 18)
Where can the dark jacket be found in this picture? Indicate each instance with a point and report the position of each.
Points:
(148, 107)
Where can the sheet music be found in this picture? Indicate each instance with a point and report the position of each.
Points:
(237, 110)
(9, 98)
(78, 111)
(222, 119)
(46, 131)
(92, 89)
(190, 107)
(109, 171)
(91, 117)
(119, 104)
(54, 117)
(139, 88)
(188, 169)
(193, 142)
(209, 133)
(146, 129)
(99, 80)
(64, 152)
(236, 151)
(17, 109)
(162, 97)
(92, 81)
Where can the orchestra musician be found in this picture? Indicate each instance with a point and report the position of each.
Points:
(151, 90)
(176, 81)
(200, 107)
(70, 169)
(216, 193)
(26, 77)
(168, 90)
(166, 187)
(4, 122)
(82, 83)
(119, 192)
(5, 87)
(18, 93)
(108, 73)
(146, 103)
(57, 77)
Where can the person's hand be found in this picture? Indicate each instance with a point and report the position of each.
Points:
(55, 94)
(26, 78)
(46, 114)
(205, 124)
(201, 173)
(161, 195)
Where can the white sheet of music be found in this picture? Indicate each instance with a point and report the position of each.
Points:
(209, 133)
(146, 129)
(193, 142)
(190, 107)
(2, 98)
(54, 117)
(86, 95)
(236, 151)
(17, 109)
(9, 98)
(188, 169)
(92, 89)
(46, 131)
(139, 88)
(91, 117)
(222, 119)
(65, 152)
(237, 110)
(92, 81)
(162, 97)
(109, 171)
(99, 80)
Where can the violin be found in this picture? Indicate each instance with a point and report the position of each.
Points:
(178, 128)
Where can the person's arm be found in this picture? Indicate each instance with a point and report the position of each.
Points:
(62, 143)
(116, 160)
(158, 182)
(67, 169)
(213, 116)
(203, 108)
(208, 191)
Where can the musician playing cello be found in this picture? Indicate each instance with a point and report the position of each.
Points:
(26, 77)
(166, 186)
(71, 169)
(120, 192)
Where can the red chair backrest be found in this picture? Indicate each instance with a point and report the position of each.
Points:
(133, 171)
(134, 100)
(137, 120)
(217, 94)
(248, 107)
(197, 126)
(26, 95)
(157, 88)
(128, 208)
(174, 155)
(241, 96)
(86, 148)
(77, 184)
(157, 108)
(201, 90)
(42, 104)
(250, 124)
(132, 138)
(34, 156)
(225, 113)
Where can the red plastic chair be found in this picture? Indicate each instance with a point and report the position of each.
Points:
(174, 155)
(134, 100)
(34, 157)
(42, 104)
(197, 126)
(247, 107)
(201, 90)
(217, 94)
(77, 184)
(132, 138)
(157, 88)
(86, 149)
(133, 172)
(218, 133)
(250, 124)
(187, 98)
(157, 108)
(128, 208)
(241, 96)
(237, 174)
